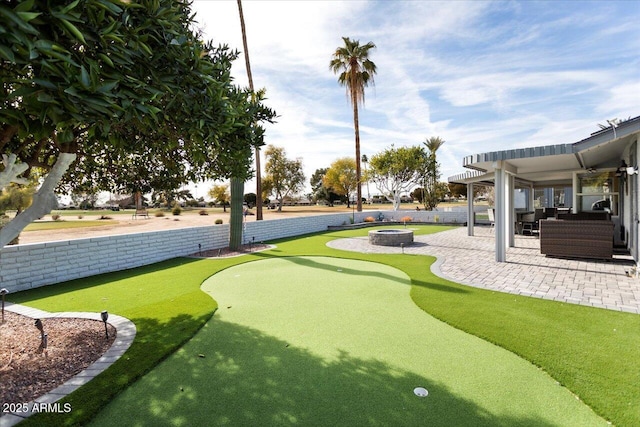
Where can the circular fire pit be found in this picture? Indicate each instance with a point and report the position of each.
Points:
(390, 237)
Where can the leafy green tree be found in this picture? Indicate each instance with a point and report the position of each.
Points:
(284, 176)
(396, 170)
(418, 194)
(457, 190)
(16, 197)
(125, 92)
(220, 193)
(250, 199)
(84, 200)
(356, 72)
(341, 177)
(318, 190)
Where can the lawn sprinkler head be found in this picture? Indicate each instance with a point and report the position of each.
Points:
(104, 315)
(421, 392)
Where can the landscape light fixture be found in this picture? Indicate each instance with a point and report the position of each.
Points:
(43, 336)
(3, 292)
(104, 315)
(38, 324)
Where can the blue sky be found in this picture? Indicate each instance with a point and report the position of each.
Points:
(482, 75)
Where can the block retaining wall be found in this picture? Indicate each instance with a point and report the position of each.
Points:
(33, 265)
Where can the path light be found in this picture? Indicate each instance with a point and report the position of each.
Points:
(43, 336)
(3, 292)
(38, 324)
(105, 316)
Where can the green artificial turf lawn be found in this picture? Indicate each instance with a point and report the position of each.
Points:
(593, 352)
(163, 300)
(327, 341)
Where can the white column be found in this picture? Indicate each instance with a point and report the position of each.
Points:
(500, 228)
(470, 213)
(510, 193)
(532, 199)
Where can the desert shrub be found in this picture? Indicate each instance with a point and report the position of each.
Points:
(203, 212)
(80, 216)
(406, 219)
(55, 217)
(159, 214)
(177, 210)
(369, 219)
(218, 221)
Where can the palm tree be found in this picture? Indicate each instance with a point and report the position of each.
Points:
(257, 150)
(432, 175)
(433, 144)
(355, 70)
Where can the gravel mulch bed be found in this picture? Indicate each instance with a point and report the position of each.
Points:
(28, 371)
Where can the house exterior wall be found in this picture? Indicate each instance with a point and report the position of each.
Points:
(630, 200)
(33, 265)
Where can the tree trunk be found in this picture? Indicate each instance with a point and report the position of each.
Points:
(11, 171)
(258, 186)
(235, 221)
(257, 150)
(356, 126)
(396, 202)
(43, 201)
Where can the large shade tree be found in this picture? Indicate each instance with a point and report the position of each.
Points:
(341, 177)
(319, 191)
(396, 170)
(355, 71)
(126, 91)
(284, 176)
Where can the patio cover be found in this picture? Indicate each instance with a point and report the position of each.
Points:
(541, 166)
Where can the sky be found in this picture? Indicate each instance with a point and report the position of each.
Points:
(482, 75)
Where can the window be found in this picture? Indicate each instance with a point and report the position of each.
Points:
(595, 192)
(552, 197)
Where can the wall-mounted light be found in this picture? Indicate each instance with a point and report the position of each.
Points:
(632, 170)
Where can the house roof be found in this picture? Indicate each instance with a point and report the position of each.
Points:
(555, 163)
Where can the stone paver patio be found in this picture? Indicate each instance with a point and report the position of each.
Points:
(470, 260)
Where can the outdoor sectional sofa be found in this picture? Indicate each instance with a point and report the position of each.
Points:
(577, 238)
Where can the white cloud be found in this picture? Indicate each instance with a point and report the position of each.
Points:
(484, 76)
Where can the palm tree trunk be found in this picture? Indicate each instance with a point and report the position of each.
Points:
(356, 126)
(257, 150)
